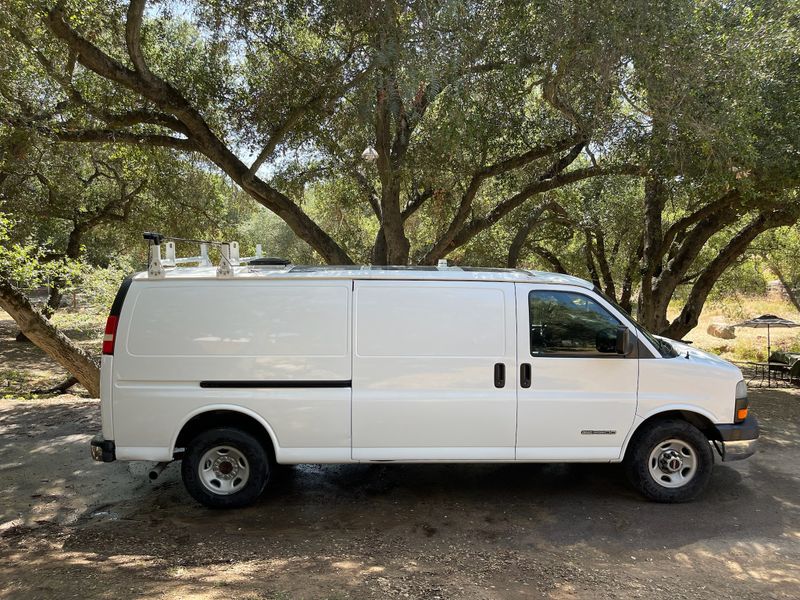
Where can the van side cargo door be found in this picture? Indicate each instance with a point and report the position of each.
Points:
(433, 370)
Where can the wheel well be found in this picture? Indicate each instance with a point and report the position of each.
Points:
(223, 418)
(702, 422)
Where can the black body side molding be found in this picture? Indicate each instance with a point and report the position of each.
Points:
(313, 383)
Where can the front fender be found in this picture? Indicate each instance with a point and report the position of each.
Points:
(640, 419)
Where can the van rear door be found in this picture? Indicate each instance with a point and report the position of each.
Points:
(433, 370)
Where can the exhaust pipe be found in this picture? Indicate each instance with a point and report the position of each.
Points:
(156, 471)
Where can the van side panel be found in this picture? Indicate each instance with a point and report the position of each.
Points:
(252, 336)
(106, 406)
(424, 371)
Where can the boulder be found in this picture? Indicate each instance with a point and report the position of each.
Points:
(721, 330)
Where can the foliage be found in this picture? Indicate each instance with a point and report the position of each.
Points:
(649, 148)
(24, 262)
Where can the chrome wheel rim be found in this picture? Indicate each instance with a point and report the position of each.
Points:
(672, 463)
(223, 470)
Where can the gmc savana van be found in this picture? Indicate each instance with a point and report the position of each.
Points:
(232, 373)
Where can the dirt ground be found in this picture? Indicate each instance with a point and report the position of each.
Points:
(72, 528)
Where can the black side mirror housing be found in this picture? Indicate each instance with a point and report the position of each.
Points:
(625, 341)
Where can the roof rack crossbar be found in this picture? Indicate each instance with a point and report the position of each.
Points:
(229, 255)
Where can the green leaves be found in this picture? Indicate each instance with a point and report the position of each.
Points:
(26, 263)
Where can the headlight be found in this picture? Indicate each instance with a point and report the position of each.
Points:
(741, 408)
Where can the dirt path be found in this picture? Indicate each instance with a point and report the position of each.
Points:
(71, 528)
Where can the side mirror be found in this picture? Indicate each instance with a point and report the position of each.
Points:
(625, 341)
(605, 340)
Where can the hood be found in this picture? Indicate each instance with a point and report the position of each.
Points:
(701, 357)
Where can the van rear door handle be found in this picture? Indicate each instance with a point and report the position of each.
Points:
(525, 375)
(499, 375)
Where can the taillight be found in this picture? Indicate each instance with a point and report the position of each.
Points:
(110, 334)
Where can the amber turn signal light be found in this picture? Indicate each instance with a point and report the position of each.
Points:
(741, 414)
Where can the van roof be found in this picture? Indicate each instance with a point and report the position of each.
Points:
(420, 273)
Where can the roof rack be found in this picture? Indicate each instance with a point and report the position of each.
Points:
(228, 251)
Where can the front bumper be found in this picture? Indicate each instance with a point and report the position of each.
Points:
(103, 450)
(738, 441)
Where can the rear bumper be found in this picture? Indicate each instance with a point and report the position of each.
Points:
(103, 450)
(738, 441)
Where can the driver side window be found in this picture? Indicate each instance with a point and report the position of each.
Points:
(570, 324)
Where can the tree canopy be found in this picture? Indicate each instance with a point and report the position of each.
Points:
(643, 146)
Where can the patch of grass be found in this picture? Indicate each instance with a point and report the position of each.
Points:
(17, 385)
(80, 324)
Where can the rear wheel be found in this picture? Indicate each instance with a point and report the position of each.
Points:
(669, 461)
(225, 468)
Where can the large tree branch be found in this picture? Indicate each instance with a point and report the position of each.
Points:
(133, 36)
(140, 117)
(203, 139)
(723, 203)
(320, 101)
(440, 248)
(416, 203)
(550, 257)
(686, 252)
(112, 136)
(503, 208)
(738, 244)
(130, 118)
(524, 231)
(47, 337)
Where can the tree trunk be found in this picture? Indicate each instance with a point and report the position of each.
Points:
(787, 285)
(589, 259)
(396, 243)
(54, 297)
(602, 262)
(625, 298)
(654, 202)
(47, 337)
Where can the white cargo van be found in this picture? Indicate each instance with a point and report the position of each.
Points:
(234, 371)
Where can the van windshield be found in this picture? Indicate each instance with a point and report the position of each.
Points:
(664, 347)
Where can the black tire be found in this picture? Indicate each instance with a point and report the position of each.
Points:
(256, 459)
(647, 440)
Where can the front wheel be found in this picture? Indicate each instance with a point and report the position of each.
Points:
(225, 468)
(669, 461)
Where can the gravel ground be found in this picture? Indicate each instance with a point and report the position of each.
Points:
(71, 528)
